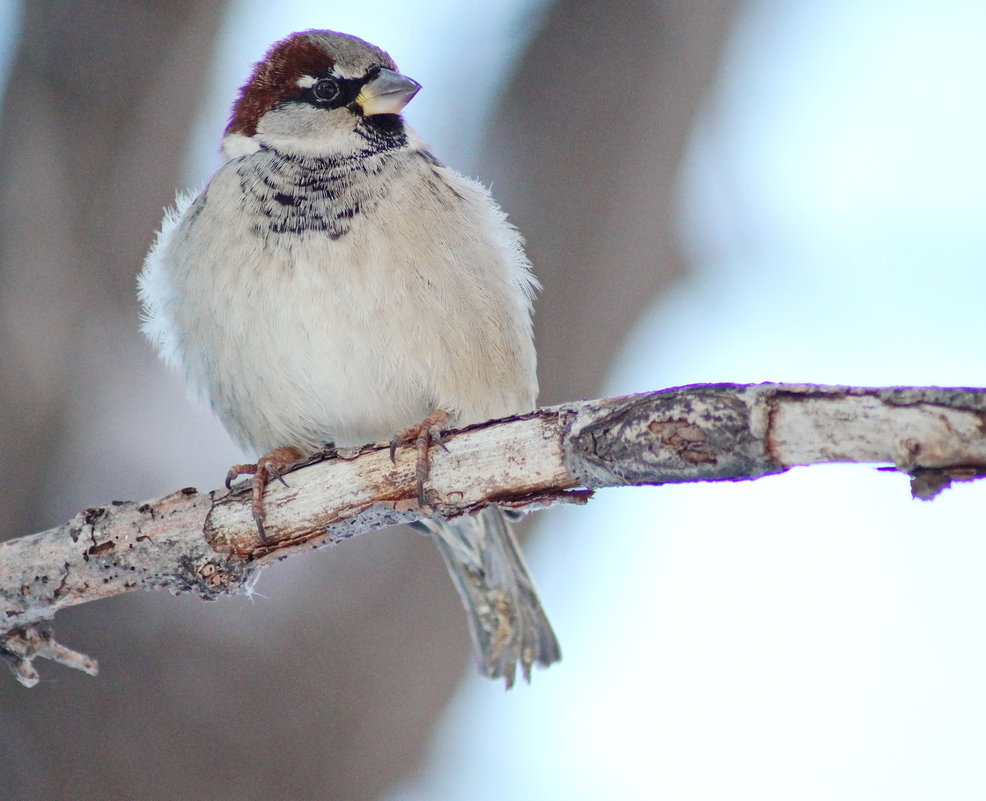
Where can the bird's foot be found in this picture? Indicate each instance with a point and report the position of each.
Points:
(428, 431)
(267, 467)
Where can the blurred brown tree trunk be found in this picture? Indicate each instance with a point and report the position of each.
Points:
(290, 698)
(91, 142)
(587, 147)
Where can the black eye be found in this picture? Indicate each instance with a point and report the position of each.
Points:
(325, 90)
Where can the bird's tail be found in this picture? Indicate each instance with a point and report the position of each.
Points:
(507, 623)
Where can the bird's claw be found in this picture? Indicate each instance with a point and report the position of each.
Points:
(267, 467)
(438, 438)
(422, 435)
(236, 471)
(258, 518)
(273, 471)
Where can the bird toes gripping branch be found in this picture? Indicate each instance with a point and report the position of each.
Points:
(267, 467)
(428, 431)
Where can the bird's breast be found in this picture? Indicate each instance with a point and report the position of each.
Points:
(346, 304)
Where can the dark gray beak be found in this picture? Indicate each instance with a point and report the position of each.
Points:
(388, 93)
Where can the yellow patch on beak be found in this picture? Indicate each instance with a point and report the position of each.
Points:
(388, 93)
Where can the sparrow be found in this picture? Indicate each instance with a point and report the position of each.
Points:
(335, 283)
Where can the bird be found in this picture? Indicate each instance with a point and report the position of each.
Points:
(334, 283)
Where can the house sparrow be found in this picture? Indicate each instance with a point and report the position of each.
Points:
(335, 283)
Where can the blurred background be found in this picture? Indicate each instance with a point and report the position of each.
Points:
(775, 190)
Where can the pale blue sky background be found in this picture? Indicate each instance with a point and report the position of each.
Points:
(816, 635)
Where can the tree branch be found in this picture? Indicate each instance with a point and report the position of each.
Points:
(207, 543)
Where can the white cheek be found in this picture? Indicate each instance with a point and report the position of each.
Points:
(303, 129)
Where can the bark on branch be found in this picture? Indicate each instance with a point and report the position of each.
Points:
(206, 542)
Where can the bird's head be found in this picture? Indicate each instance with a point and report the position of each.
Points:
(318, 93)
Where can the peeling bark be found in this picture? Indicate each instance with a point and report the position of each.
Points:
(207, 543)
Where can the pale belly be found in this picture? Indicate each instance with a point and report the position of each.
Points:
(308, 358)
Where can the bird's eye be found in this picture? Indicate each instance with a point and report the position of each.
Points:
(325, 90)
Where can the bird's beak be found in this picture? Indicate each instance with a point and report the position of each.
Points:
(388, 93)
